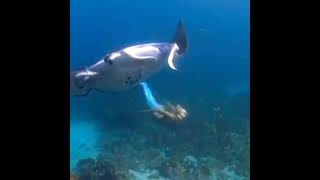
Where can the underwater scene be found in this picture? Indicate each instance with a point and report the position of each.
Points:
(160, 90)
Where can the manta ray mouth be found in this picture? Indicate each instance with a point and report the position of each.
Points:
(174, 49)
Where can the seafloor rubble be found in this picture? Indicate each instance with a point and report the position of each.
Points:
(192, 150)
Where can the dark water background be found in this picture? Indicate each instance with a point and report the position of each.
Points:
(213, 73)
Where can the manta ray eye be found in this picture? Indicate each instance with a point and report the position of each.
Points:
(107, 59)
(110, 62)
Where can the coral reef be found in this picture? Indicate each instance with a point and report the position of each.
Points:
(100, 169)
(73, 177)
(140, 156)
(145, 174)
(195, 149)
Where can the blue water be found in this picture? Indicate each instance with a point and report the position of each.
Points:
(151, 101)
(214, 73)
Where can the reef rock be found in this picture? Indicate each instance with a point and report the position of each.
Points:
(145, 174)
(91, 169)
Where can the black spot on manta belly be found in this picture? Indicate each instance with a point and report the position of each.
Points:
(132, 79)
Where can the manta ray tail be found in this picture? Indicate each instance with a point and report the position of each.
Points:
(180, 38)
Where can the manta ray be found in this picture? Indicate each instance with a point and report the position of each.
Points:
(128, 67)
